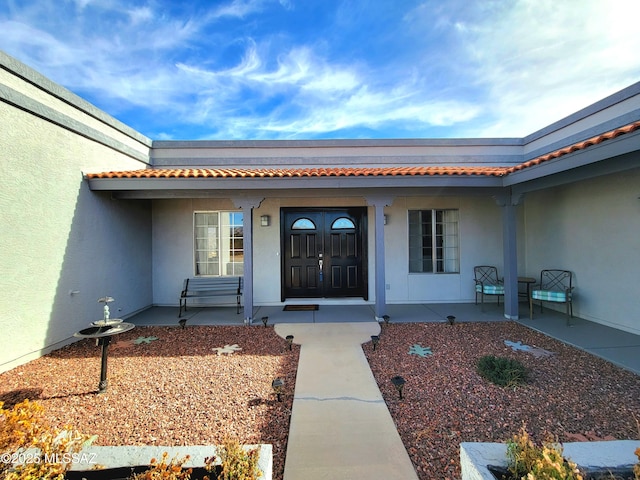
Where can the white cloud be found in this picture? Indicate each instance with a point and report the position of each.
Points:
(238, 8)
(474, 68)
(543, 60)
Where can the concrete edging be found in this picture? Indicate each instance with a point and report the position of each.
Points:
(128, 456)
(475, 456)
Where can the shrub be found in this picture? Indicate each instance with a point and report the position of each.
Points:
(165, 470)
(238, 463)
(502, 371)
(538, 462)
(23, 428)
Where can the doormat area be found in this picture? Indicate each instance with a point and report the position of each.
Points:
(300, 308)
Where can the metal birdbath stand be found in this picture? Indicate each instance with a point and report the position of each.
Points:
(102, 331)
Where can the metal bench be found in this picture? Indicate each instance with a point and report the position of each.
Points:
(203, 287)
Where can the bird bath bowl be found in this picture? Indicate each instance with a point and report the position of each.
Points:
(107, 323)
(102, 331)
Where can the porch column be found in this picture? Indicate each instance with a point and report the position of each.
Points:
(509, 202)
(247, 205)
(378, 204)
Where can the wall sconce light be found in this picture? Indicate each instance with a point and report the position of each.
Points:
(265, 220)
(384, 219)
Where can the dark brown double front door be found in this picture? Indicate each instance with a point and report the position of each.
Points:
(323, 252)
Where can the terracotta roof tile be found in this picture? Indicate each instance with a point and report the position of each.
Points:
(632, 127)
(362, 171)
(300, 172)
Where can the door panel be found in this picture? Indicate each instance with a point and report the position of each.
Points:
(324, 254)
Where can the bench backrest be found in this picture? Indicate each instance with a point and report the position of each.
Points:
(213, 284)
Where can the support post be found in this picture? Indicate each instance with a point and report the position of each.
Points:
(509, 202)
(378, 204)
(247, 205)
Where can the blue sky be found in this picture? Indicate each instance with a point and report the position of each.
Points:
(313, 69)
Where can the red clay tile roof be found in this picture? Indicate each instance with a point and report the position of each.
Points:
(300, 172)
(361, 171)
(632, 127)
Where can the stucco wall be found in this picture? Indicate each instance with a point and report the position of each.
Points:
(57, 236)
(593, 229)
(480, 243)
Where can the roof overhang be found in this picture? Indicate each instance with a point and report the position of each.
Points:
(613, 151)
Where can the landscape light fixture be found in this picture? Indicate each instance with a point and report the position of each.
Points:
(289, 339)
(265, 320)
(451, 319)
(182, 322)
(375, 339)
(386, 319)
(277, 386)
(398, 382)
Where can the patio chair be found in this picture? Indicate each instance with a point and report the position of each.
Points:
(487, 283)
(555, 286)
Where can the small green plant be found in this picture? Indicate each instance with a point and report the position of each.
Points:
(529, 461)
(502, 371)
(46, 452)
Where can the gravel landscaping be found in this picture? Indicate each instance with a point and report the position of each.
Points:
(177, 390)
(570, 394)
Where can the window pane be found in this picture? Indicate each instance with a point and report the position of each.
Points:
(218, 243)
(433, 241)
(342, 223)
(303, 224)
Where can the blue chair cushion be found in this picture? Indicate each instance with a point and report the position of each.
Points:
(549, 295)
(490, 289)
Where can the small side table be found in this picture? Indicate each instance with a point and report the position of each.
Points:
(528, 281)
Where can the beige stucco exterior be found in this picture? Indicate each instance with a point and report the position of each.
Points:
(63, 246)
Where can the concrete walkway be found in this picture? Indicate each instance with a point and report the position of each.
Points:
(340, 425)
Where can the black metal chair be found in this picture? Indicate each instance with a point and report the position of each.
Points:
(555, 286)
(487, 283)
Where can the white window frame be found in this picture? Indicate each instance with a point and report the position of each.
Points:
(230, 260)
(445, 242)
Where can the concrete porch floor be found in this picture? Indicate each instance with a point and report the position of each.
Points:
(617, 346)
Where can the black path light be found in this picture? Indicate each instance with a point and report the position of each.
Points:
(386, 319)
(265, 320)
(451, 319)
(289, 339)
(182, 322)
(398, 382)
(375, 339)
(278, 385)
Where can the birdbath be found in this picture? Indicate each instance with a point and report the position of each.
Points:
(102, 330)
